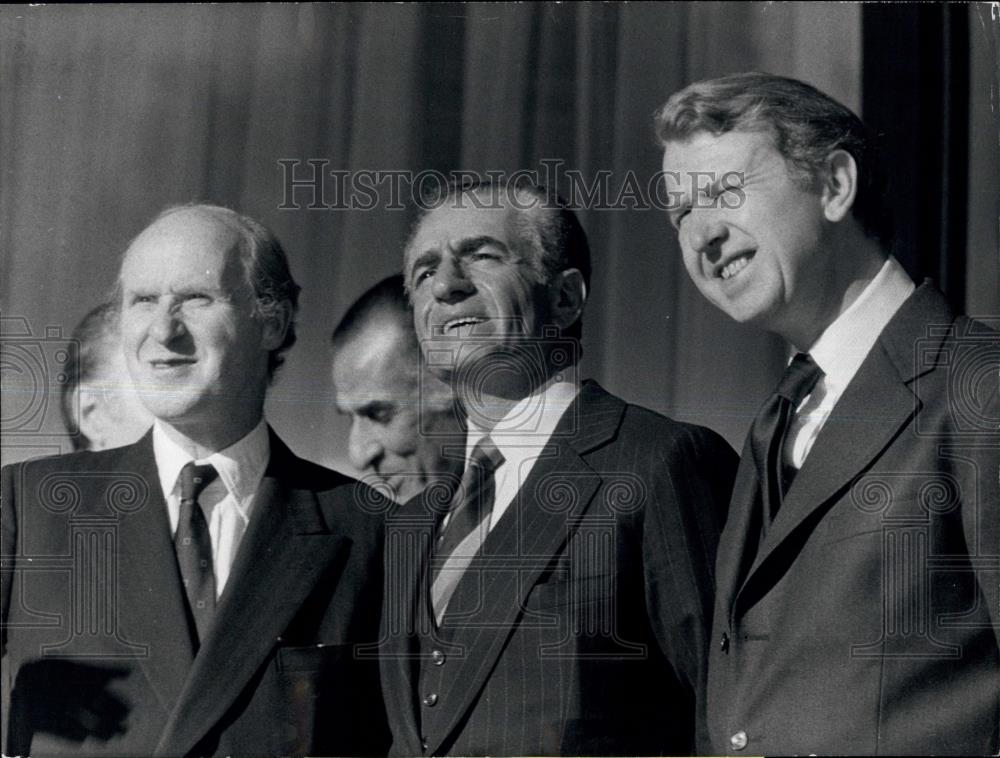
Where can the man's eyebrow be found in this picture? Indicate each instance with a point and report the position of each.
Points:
(463, 247)
(471, 244)
(425, 258)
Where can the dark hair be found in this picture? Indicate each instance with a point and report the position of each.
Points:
(807, 126)
(386, 299)
(548, 229)
(94, 336)
(265, 266)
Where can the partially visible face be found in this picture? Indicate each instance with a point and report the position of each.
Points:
(473, 287)
(751, 235)
(196, 352)
(111, 413)
(375, 379)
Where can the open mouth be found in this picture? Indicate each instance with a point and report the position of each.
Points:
(464, 321)
(736, 265)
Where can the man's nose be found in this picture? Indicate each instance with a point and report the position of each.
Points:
(363, 448)
(450, 281)
(707, 234)
(166, 324)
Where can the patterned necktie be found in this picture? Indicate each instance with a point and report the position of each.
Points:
(193, 545)
(462, 537)
(767, 435)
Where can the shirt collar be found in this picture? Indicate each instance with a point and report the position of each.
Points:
(529, 424)
(241, 465)
(842, 347)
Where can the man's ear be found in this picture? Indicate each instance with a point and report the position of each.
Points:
(275, 326)
(840, 185)
(567, 296)
(89, 422)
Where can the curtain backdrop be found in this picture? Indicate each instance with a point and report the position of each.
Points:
(110, 113)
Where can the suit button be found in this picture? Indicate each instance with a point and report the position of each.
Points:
(724, 643)
(437, 658)
(430, 700)
(738, 741)
(423, 743)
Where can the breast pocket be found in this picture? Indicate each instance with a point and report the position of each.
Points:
(575, 591)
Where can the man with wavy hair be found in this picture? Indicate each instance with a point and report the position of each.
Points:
(857, 608)
(200, 591)
(558, 601)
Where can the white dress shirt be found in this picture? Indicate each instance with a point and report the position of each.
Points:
(227, 502)
(521, 436)
(840, 351)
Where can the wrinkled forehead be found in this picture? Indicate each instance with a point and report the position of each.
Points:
(459, 219)
(703, 158)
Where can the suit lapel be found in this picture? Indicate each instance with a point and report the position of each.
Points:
(519, 548)
(740, 538)
(150, 583)
(285, 550)
(869, 415)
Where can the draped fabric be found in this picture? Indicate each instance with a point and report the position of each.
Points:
(110, 113)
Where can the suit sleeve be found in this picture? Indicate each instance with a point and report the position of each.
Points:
(690, 495)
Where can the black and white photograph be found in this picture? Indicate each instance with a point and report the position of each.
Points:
(500, 379)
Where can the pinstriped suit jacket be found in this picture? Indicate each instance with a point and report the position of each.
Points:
(581, 626)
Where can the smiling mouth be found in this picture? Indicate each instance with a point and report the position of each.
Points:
(169, 363)
(458, 323)
(736, 265)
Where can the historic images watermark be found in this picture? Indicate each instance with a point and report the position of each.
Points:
(310, 184)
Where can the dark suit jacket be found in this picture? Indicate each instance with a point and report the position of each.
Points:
(98, 658)
(581, 627)
(866, 619)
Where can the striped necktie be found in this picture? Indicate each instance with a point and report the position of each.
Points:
(468, 518)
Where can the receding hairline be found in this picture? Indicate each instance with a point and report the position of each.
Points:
(503, 195)
(380, 319)
(223, 223)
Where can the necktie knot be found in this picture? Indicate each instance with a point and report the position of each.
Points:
(486, 456)
(799, 379)
(194, 479)
(767, 434)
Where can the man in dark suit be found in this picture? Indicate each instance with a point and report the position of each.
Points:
(200, 591)
(857, 607)
(556, 600)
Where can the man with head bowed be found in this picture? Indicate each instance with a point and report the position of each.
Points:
(558, 602)
(857, 605)
(200, 591)
(404, 420)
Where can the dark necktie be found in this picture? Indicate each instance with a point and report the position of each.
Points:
(194, 546)
(767, 435)
(470, 508)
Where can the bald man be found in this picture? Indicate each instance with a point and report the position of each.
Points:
(200, 591)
